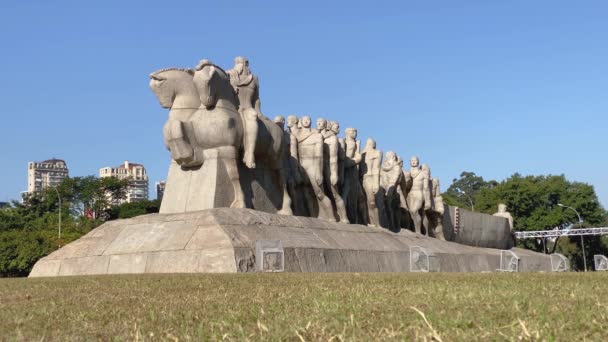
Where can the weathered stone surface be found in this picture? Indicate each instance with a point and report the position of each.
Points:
(128, 263)
(223, 240)
(46, 268)
(89, 265)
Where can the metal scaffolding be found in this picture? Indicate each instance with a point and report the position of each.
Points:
(562, 232)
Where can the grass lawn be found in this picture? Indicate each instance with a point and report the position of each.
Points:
(300, 306)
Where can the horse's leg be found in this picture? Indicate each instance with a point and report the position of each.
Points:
(286, 206)
(250, 127)
(175, 139)
(228, 155)
(414, 204)
(325, 208)
(340, 207)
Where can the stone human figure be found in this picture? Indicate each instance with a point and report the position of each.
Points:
(341, 157)
(352, 193)
(293, 129)
(247, 88)
(390, 180)
(331, 168)
(280, 120)
(292, 124)
(502, 212)
(402, 190)
(370, 173)
(434, 216)
(310, 156)
(294, 179)
(322, 126)
(419, 196)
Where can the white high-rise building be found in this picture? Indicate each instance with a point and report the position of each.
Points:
(138, 180)
(42, 175)
(160, 190)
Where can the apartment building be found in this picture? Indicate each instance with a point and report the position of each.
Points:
(160, 190)
(45, 174)
(138, 180)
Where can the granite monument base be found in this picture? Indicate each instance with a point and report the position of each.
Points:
(225, 240)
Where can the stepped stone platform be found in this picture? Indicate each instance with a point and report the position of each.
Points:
(224, 240)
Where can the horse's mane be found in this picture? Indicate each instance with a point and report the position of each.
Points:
(186, 70)
(203, 63)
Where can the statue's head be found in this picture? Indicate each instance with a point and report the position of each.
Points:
(321, 124)
(370, 144)
(351, 133)
(414, 161)
(167, 83)
(292, 121)
(212, 83)
(390, 155)
(502, 208)
(334, 126)
(305, 121)
(280, 120)
(241, 65)
(426, 168)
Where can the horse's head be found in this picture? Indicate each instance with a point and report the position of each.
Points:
(212, 83)
(167, 84)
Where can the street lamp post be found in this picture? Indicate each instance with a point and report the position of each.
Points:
(59, 197)
(582, 240)
(469, 197)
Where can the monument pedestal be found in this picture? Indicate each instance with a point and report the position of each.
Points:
(224, 240)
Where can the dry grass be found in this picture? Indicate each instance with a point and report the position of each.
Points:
(307, 307)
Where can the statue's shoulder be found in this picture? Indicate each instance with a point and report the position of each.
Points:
(306, 135)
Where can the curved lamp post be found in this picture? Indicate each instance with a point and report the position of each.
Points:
(582, 240)
(469, 197)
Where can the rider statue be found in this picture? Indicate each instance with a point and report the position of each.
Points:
(247, 88)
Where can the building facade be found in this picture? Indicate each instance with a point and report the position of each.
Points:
(160, 190)
(138, 180)
(45, 174)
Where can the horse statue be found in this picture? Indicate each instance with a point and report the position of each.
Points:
(213, 132)
(175, 90)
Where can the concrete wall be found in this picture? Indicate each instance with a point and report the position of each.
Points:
(477, 229)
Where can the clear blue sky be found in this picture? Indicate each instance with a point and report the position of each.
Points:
(494, 87)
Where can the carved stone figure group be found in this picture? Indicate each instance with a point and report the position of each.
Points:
(218, 137)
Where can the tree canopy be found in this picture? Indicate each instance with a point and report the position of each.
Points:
(533, 202)
(29, 229)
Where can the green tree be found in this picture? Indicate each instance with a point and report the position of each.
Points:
(532, 200)
(463, 191)
(128, 210)
(29, 229)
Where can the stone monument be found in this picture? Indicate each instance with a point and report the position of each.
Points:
(241, 185)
